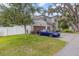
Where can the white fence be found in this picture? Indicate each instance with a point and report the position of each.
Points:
(4, 31)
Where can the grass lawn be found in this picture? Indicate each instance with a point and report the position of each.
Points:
(16, 45)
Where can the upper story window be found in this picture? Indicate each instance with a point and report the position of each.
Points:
(55, 20)
(45, 19)
(33, 22)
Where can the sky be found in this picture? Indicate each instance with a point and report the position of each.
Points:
(45, 6)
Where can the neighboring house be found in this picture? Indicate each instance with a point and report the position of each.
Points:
(43, 22)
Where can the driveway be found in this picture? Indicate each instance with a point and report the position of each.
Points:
(72, 48)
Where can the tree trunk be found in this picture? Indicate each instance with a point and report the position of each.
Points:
(74, 28)
(77, 26)
(25, 32)
(57, 22)
(25, 29)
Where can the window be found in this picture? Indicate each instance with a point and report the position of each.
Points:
(55, 20)
(45, 19)
(33, 22)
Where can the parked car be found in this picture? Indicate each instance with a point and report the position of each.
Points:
(46, 33)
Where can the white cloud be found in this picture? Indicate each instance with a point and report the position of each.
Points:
(53, 6)
(58, 4)
(41, 4)
(36, 14)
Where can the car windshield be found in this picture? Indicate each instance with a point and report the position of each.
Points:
(44, 30)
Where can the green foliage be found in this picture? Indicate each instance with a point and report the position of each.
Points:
(63, 24)
(67, 31)
(6, 17)
(23, 12)
(17, 14)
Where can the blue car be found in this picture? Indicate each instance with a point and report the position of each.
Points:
(46, 33)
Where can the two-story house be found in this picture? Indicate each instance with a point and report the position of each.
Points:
(43, 22)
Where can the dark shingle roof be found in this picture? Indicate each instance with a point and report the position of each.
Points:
(40, 17)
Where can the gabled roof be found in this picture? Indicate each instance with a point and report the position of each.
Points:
(40, 17)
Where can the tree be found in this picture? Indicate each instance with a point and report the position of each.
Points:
(73, 10)
(19, 14)
(26, 11)
(6, 16)
(52, 11)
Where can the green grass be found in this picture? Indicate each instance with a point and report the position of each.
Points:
(17, 45)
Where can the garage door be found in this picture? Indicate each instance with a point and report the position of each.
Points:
(38, 28)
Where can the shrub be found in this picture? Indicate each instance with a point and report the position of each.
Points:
(68, 31)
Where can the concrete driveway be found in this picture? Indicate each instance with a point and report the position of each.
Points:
(72, 48)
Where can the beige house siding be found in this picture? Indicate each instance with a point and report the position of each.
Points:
(43, 21)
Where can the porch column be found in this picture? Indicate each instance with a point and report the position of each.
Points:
(46, 27)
